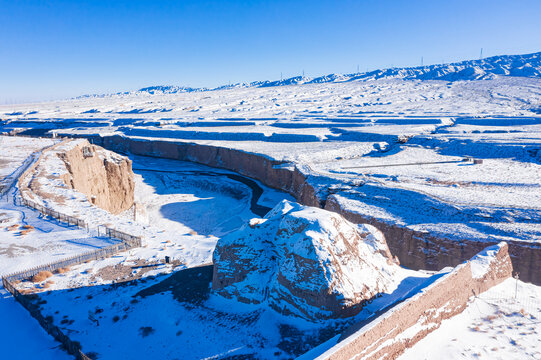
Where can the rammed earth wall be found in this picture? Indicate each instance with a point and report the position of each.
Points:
(414, 249)
(392, 333)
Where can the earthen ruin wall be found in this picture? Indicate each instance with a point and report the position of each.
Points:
(106, 181)
(400, 328)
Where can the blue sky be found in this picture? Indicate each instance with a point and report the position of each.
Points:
(57, 49)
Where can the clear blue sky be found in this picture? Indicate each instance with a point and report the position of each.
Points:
(57, 49)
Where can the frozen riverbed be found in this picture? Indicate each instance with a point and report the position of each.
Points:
(192, 198)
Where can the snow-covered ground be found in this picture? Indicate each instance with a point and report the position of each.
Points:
(359, 138)
(21, 335)
(186, 197)
(335, 131)
(45, 242)
(14, 153)
(176, 317)
(502, 323)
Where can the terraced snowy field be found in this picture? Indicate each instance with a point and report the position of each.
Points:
(394, 152)
(349, 138)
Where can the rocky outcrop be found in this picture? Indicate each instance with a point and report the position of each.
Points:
(104, 177)
(303, 261)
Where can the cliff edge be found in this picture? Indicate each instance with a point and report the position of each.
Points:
(106, 178)
(76, 170)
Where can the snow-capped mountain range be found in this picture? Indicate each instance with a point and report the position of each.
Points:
(528, 65)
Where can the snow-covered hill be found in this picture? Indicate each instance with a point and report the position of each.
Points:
(304, 261)
(528, 65)
(490, 68)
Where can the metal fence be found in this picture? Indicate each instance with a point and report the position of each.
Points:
(72, 347)
(127, 242)
(131, 240)
(71, 261)
(70, 220)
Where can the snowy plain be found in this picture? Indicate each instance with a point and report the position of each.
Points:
(349, 137)
(355, 136)
(502, 323)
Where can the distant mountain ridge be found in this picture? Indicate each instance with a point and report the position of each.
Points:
(528, 65)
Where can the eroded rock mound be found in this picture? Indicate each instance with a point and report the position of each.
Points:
(106, 178)
(303, 261)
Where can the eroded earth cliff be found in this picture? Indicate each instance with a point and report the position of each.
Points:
(104, 177)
